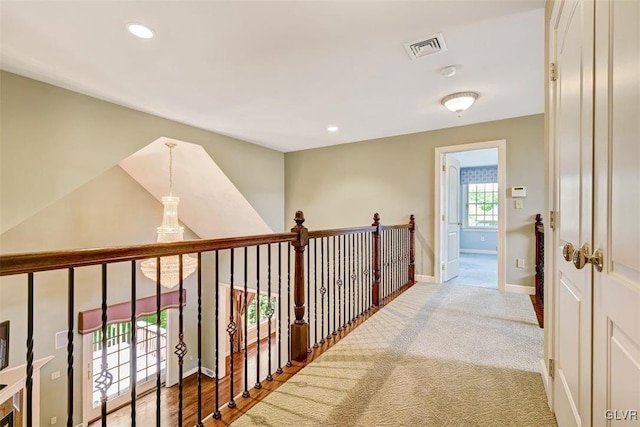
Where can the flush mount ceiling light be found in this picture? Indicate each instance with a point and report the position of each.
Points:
(459, 102)
(140, 30)
(332, 128)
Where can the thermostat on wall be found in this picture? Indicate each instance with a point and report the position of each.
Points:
(518, 191)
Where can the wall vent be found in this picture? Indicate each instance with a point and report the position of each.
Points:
(424, 47)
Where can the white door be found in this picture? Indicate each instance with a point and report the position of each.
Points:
(452, 218)
(616, 323)
(572, 27)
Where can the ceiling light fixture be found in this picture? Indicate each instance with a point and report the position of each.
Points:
(140, 30)
(459, 102)
(449, 71)
(332, 128)
(170, 231)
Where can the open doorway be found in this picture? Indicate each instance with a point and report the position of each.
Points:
(470, 197)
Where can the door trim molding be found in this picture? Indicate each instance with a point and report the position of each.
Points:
(501, 145)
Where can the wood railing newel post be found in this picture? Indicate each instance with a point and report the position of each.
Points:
(299, 328)
(375, 290)
(412, 249)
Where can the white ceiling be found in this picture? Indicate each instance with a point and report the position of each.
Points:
(277, 73)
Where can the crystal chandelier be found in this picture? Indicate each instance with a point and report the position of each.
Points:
(170, 231)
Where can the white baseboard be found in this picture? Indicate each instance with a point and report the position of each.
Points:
(205, 371)
(520, 289)
(478, 251)
(545, 380)
(425, 279)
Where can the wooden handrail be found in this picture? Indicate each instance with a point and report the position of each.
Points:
(54, 260)
(340, 232)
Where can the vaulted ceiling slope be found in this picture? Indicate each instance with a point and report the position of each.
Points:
(278, 73)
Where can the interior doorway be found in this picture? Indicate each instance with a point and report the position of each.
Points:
(470, 197)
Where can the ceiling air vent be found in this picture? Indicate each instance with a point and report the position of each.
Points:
(424, 47)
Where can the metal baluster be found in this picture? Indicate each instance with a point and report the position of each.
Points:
(245, 392)
(199, 339)
(181, 347)
(361, 273)
(232, 328)
(70, 316)
(315, 293)
(289, 364)
(309, 298)
(105, 378)
(258, 384)
(270, 311)
(328, 294)
(158, 342)
(279, 370)
(29, 380)
(344, 282)
(335, 332)
(350, 298)
(133, 349)
(216, 410)
(323, 290)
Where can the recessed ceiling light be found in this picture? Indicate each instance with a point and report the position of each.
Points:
(332, 128)
(140, 30)
(449, 71)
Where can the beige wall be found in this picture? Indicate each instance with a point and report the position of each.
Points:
(54, 140)
(344, 185)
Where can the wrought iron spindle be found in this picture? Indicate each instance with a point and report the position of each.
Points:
(105, 378)
(328, 294)
(349, 279)
(315, 293)
(309, 298)
(258, 384)
(270, 311)
(279, 370)
(181, 347)
(70, 316)
(245, 392)
(133, 348)
(323, 290)
(216, 410)
(333, 241)
(361, 273)
(158, 342)
(289, 364)
(232, 328)
(199, 269)
(344, 281)
(29, 380)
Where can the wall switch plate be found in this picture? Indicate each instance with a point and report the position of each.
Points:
(55, 375)
(54, 420)
(482, 238)
(519, 263)
(518, 203)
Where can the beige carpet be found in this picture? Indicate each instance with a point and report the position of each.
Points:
(438, 355)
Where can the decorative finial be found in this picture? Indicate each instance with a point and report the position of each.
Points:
(299, 218)
(376, 219)
(412, 218)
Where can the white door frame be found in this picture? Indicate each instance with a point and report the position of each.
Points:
(439, 206)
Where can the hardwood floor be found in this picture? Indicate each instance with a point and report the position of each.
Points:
(146, 405)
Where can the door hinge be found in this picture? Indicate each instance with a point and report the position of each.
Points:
(443, 266)
(552, 72)
(552, 220)
(551, 368)
(443, 218)
(444, 168)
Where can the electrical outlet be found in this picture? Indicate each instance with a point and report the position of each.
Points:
(482, 238)
(519, 263)
(55, 375)
(191, 357)
(54, 420)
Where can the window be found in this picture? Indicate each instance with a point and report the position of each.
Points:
(482, 205)
(264, 309)
(118, 354)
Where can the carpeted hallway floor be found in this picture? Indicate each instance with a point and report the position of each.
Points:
(438, 355)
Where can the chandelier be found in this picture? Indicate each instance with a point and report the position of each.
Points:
(170, 231)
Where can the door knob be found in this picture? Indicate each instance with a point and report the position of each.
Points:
(582, 257)
(567, 251)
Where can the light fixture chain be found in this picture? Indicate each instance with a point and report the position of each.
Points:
(171, 145)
